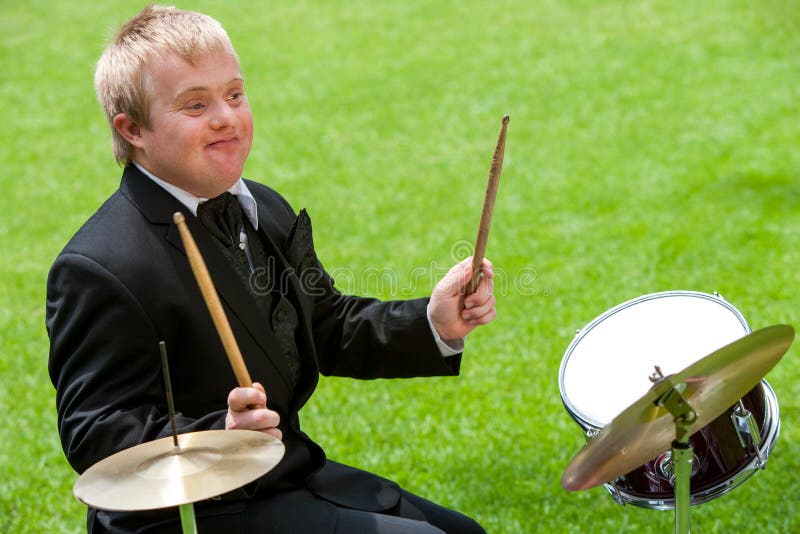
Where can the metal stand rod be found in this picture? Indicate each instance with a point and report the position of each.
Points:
(684, 416)
(188, 523)
(682, 453)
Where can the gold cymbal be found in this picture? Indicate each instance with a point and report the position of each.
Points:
(644, 429)
(157, 475)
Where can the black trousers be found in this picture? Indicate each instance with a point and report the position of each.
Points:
(301, 512)
(412, 515)
(312, 515)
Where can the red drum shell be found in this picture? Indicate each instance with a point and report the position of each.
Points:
(720, 462)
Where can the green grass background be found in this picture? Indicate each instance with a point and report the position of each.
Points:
(653, 145)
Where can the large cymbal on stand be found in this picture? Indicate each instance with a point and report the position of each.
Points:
(645, 429)
(158, 475)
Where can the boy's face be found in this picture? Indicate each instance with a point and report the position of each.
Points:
(201, 128)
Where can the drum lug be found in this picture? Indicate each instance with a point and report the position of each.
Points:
(666, 470)
(664, 467)
(746, 429)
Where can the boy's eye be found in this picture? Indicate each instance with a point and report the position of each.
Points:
(235, 96)
(194, 106)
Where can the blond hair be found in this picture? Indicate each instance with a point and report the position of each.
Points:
(122, 79)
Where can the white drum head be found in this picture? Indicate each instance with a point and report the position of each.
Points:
(607, 366)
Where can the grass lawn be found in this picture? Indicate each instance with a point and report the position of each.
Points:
(653, 146)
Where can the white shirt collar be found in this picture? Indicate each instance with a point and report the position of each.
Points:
(239, 190)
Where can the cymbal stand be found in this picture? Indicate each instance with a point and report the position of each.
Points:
(682, 450)
(188, 523)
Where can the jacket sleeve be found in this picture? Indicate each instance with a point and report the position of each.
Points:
(363, 337)
(367, 338)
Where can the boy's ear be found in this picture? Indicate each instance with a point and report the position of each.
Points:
(128, 129)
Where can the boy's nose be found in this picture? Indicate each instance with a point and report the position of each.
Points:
(221, 115)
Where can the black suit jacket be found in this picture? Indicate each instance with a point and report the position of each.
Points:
(123, 283)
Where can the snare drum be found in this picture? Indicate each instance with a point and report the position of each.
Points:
(607, 368)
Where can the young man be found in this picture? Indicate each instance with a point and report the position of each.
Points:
(173, 92)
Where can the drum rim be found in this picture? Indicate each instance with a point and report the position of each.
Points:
(580, 334)
(772, 424)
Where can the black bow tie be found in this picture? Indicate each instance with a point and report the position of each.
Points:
(223, 218)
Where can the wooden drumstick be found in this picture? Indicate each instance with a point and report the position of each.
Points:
(212, 301)
(488, 208)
